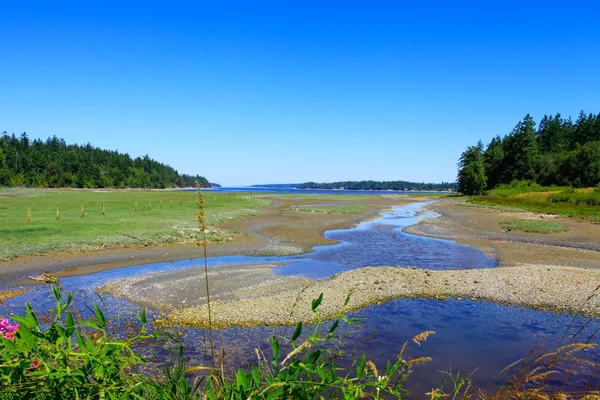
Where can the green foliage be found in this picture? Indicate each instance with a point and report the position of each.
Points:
(310, 369)
(574, 197)
(517, 187)
(471, 173)
(54, 163)
(533, 226)
(69, 358)
(559, 152)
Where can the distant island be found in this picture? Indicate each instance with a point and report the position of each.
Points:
(381, 185)
(54, 163)
(277, 186)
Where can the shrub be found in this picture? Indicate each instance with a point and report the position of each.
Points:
(67, 358)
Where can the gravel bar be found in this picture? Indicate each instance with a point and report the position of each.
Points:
(253, 295)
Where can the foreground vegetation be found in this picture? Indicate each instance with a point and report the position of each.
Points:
(71, 357)
(529, 196)
(37, 221)
(54, 163)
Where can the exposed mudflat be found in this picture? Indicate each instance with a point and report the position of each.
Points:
(536, 271)
(480, 227)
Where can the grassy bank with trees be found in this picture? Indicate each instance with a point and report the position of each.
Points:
(559, 200)
(559, 152)
(54, 163)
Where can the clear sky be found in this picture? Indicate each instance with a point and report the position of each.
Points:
(293, 91)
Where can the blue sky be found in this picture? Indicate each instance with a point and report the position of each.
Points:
(291, 91)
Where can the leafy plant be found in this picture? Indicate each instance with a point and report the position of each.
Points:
(311, 370)
(68, 358)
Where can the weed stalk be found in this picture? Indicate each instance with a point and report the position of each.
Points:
(200, 217)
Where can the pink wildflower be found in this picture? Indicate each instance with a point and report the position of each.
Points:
(35, 364)
(7, 330)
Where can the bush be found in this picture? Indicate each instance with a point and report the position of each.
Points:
(67, 359)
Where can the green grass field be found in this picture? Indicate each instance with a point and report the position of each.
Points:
(541, 201)
(533, 226)
(150, 223)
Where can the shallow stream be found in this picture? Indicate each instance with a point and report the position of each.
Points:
(471, 336)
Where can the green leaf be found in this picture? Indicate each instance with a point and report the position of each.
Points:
(347, 301)
(275, 347)
(100, 316)
(314, 356)
(31, 317)
(80, 341)
(69, 325)
(256, 376)
(333, 327)
(241, 379)
(316, 302)
(25, 337)
(360, 370)
(297, 331)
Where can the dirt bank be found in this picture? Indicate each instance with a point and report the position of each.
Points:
(480, 227)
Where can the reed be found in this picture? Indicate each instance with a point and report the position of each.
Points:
(57, 214)
(103, 209)
(135, 207)
(28, 216)
(203, 243)
(82, 211)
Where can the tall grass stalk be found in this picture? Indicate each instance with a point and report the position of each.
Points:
(57, 214)
(28, 216)
(203, 243)
(82, 211)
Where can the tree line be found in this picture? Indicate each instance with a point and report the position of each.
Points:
(558, 152)
(380, 185)
(54, 163)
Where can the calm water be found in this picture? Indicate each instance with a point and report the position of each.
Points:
(243, 189)
(479, 337)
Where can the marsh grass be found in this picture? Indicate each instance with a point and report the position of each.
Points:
(45, 234)
(533, 226)
(579, 203)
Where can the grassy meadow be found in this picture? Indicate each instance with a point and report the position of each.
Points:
(577, 203)
(173, 221)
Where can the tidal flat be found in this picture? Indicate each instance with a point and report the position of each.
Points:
(529, 282)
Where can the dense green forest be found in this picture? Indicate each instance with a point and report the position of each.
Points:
(54, 163)
(558, 152)
(375, 185)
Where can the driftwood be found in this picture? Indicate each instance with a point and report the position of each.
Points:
(45, 277)
(134, 237)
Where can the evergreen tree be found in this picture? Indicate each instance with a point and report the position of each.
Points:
(471, 173)
(54, 163)
(521, 151)
(493, 160)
